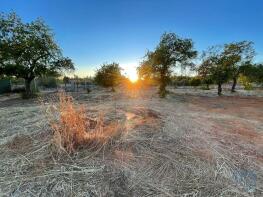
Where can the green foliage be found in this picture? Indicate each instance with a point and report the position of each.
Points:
(181, 80)
(237, 54)
(245, 82)
(254, 72)
(185, 81)
(145, 73)
(215, 66)
(28, 50)
(66, 80)
(171, 51)
(258, 74)
(109, 75)
(195, 81)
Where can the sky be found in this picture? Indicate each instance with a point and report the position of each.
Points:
(93, 32)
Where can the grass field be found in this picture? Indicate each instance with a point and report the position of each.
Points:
(189, 144)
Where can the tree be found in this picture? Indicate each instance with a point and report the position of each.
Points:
(109, 75)
(238, 54)
(66, 80)
(254, 72)
(258, 74)
(171, 51)
(215, 66)
(204, 73)
(28, 50)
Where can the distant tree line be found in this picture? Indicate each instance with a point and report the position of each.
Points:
(28, 50)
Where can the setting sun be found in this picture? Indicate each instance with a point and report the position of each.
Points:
(130, 72)
(133, 77)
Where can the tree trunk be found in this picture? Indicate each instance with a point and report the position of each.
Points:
(234, 84)
(219, 88)
(207, 86)
(28, 88)
(163, 82)
(162, 89)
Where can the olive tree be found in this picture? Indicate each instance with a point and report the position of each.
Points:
(172, 51)
(28, 50)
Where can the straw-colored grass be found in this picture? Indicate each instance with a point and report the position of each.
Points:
(73, 128)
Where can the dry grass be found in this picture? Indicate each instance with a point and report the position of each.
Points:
(74, 129)
(170, 148)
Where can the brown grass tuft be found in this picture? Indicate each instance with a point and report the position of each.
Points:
(74, 129)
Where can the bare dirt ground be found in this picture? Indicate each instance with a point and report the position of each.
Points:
(189, 144)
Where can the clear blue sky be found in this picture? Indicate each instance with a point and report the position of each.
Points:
(92, 32)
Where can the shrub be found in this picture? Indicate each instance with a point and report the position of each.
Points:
(245, 82)
(195, 81)
(181, 80)
(109, 75)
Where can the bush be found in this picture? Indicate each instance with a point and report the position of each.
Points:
(109, 75)
(195, 81)
(181, 80)
(245, 82)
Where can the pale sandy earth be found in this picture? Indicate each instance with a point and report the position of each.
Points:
(192, 143)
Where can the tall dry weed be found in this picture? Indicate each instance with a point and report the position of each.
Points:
(73, 128)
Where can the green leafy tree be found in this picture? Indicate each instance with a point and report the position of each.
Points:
(258, 74)
(108, 75)
(28, 50)
(66, 80)
(195, 81)
(215, 66)
(254, 72)
(172, 51)
(238, 54)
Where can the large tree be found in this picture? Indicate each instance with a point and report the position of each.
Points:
(238, 54)
(28, 50)
(171, 51)
(108, 75)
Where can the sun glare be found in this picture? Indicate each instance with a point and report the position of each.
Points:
(131, 72)
(133, 77)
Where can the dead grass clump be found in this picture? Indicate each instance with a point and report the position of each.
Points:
(74, 129)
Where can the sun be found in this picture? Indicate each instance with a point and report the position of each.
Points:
(130, 72)
(133, 77)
